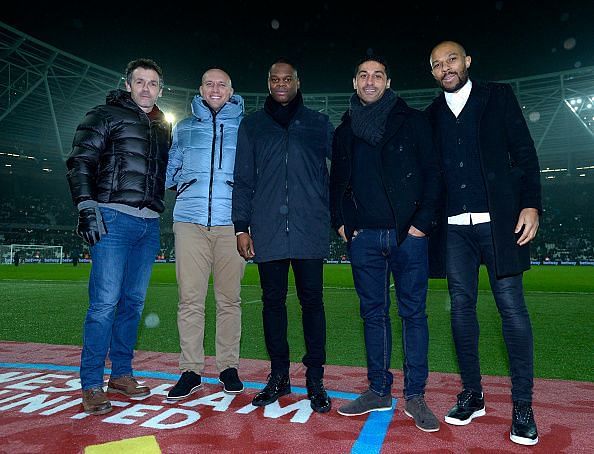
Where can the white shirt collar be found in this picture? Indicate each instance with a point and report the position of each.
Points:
(457, 101)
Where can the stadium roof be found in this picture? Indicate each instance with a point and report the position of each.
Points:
(45, 92)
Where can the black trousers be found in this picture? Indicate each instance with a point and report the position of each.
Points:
(274, 280)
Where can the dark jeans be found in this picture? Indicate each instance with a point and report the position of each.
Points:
(467, 247)
(374, 255)
(309, 277)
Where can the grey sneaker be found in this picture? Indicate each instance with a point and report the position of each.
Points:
(366, 402)
(417, 408)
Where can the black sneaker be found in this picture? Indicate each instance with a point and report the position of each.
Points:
(230, 381)
(188, 383)
(278, 385)
(318, 396)
(523, 429)
(470, 405)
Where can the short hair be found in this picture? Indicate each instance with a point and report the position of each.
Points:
(216, 68)
(145, 63)
(373, 57)
(285, 61)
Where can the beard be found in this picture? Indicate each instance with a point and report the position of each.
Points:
(462, 79)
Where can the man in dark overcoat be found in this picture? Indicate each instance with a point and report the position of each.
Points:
(493, 203)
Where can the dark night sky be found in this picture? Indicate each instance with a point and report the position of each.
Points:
(506, 39)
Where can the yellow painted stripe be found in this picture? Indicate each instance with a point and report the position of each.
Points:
(139, 445)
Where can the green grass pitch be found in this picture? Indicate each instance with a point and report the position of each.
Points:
(47, 303)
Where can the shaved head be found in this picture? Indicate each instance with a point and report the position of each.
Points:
(452, 44)
(449, 65)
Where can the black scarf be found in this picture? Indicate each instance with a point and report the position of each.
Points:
(283, 114)
(369, 121)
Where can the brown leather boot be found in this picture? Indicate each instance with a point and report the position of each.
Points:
(128, 386)
(95, 402)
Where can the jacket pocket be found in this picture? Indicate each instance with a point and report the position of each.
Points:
(185, 186)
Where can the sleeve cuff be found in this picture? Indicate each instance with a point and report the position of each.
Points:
(241, 227)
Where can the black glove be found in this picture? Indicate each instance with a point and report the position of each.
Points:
(90, 222)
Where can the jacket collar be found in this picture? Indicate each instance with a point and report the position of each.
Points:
(480, 90)
(123, 99)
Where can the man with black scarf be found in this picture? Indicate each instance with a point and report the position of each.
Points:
(281, 217)
(385, 189)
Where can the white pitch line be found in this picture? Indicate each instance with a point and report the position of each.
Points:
(260, 300)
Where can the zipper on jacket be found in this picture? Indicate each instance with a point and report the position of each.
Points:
(287, 183)
(221, 149)
(212, 166)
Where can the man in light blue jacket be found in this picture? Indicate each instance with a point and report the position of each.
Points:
(200, 169)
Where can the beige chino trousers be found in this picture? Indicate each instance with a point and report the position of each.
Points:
(200, 252)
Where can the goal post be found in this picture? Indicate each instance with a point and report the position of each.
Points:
(30, 253)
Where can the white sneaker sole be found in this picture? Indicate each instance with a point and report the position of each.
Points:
(522, 440)
(226, 391)
(364, 412)
(419, 427)
(192, 391)
(463, 422)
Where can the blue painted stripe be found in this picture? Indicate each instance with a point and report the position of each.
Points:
(370, 438)
(375, 429)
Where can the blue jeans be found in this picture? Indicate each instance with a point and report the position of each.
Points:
(375, 255)
(467, 247)
(309, 278)
(122, 264)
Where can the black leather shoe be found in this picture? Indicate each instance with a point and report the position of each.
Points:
(316, 393)
(278, 385)
(523, 429)
(469, 405)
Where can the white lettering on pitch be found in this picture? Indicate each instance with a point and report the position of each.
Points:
(114, 403)
(134, 411)
(218, 401)
(12, 376)
(301, 408)
(15, 397)
(161, 390)
(28, 385)
(64, 406)
(71, 385)
(35, 403)
(157, 422)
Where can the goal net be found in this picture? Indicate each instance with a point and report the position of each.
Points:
(30, 253)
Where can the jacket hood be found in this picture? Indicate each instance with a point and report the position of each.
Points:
(232, 109)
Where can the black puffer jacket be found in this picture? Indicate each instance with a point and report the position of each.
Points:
(119, 155)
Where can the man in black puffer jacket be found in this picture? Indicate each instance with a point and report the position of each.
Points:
(116, 173)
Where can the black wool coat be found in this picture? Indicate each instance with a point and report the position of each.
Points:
(410, 172)
(510, 171)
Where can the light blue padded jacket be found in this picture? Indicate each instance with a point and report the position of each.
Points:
(201, 161)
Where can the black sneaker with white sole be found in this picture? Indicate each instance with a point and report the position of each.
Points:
(188, 383)
(470, 405)
(523, 429)
(230, 381)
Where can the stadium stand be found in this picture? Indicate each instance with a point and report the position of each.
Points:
(45, 92)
